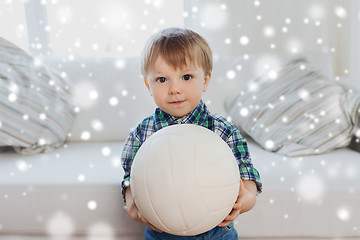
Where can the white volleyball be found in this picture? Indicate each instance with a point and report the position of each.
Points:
(185, 179)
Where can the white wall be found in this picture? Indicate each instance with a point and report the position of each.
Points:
(275, 25)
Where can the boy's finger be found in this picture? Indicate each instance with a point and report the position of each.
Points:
(233, 215)
(224, 223)
(154, 228)
(237, 205)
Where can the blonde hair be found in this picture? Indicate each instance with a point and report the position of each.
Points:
(178, 47)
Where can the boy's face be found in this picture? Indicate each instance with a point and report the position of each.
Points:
(176, 91)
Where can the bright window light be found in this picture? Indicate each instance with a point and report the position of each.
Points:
(13, 23)
(108, 27)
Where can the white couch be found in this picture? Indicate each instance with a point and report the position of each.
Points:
(76, 190)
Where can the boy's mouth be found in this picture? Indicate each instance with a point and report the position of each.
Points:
(177, 102)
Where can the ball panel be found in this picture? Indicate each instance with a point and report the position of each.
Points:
(215, 168)
(188, 198)
(179, 177)
(224, 198)
(151, 161)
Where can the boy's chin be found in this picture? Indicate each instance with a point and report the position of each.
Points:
(177, 113)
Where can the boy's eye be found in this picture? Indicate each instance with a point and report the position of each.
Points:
(187, 77)
(161, 79)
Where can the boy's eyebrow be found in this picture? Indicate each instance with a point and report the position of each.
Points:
(185, 69)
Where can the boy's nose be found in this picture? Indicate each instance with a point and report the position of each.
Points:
(174, 88)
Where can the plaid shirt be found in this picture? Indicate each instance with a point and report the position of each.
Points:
(200, 116)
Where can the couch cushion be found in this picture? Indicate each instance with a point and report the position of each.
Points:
(76, 190)
(312, 196)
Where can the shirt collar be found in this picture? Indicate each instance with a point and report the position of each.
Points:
(196, 116)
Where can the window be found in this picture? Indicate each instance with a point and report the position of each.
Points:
(86, 28)
(108, 27)
(13, 23)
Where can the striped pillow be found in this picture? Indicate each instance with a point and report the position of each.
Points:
(296, 112)
(36, 111)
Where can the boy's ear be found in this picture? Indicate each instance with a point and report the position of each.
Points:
(206, 81)
(147, 85)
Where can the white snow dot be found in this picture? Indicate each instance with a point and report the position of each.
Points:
(244, 111)
(343, 214)
(92, 205)
(22, 166)
(13, 87)
(60, 224)
(310, 187)
(272, 74)
(124, 93)
(116, 162)
(269, 144)
(93, 94)
(85, 135)
(340, 12)
(113, 101)
(357, 132)
(120, 64)
(303, 94)
(95, 46)
(100, 229)
(42, 116)
(103, 20)
(81, 178)
(12, 97)
(269, 31)
(37, 61)
(97, 125)
(253, 86)
(244, 40)
(209, 11)
(231, 74)
(42, 142)
(106, 151)
(63, 74)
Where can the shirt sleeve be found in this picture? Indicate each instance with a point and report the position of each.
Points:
(132, 145)
(240, 150)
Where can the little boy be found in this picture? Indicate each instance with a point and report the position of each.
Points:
(176, 65)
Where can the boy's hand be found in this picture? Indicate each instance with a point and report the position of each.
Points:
(134, 213)
(244, 202)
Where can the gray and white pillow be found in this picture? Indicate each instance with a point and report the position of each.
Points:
(36, 109)
(297, 111)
